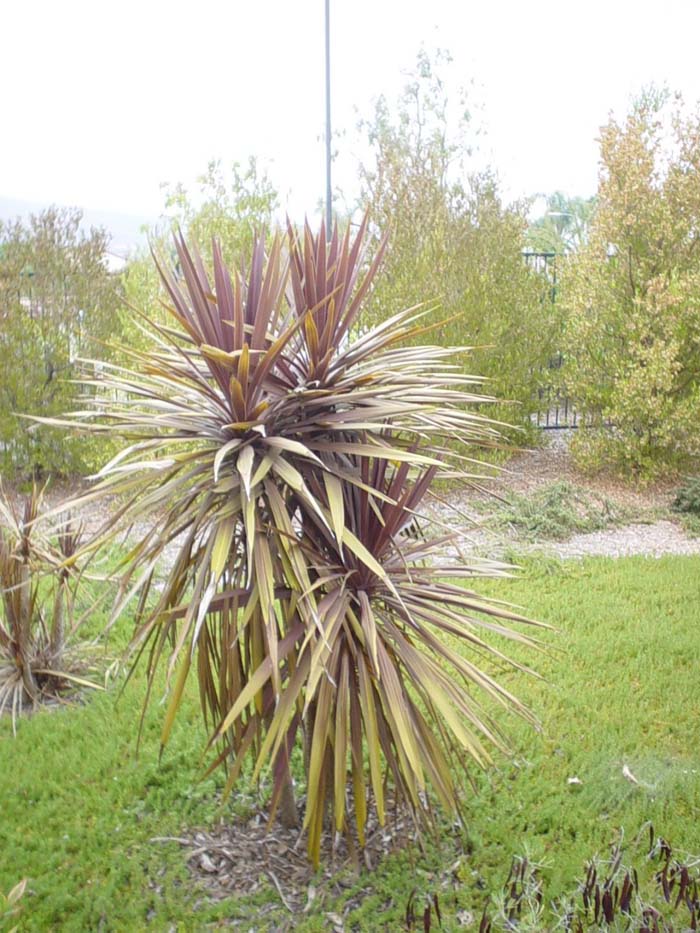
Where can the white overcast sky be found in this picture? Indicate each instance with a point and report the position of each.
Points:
(101, 102)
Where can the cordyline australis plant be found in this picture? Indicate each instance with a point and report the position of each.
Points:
(39, 660)
(288, 453)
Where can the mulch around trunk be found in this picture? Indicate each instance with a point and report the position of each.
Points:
(243, 857)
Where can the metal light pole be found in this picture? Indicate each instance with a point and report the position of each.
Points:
(329, 195)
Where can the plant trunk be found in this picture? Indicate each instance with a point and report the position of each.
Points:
(57, 625)
(308, 731)
(288, 813)
(308, 742)
(284, 800)
(24, 633)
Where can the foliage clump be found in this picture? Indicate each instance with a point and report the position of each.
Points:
(557, 511)
(288, 454)
(687, 498)
(631, 296)
(687, 503)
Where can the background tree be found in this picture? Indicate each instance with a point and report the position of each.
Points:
(632, 296)
(564, 226)
(454, 241)
(56, 295)
(232, 207)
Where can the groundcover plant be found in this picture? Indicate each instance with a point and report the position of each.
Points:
(286, 454)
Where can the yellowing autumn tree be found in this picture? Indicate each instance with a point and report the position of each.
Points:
(631, 297)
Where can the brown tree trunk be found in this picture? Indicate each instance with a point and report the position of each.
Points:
(288, 813)
(285, 804)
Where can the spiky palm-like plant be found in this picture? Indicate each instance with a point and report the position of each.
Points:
(286, 453)
(39, 659)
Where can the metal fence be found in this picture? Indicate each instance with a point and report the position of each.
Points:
(555, 408)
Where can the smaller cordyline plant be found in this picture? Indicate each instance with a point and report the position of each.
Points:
(39, 661)
(287, 454)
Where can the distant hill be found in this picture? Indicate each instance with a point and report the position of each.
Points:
(126, 229)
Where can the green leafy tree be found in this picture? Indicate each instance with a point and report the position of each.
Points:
(56, 295)
(631, 297)
(454, 241)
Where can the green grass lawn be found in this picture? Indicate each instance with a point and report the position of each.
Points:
(78, 808)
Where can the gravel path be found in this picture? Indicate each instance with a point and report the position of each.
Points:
(652, 540)
(527, 472)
